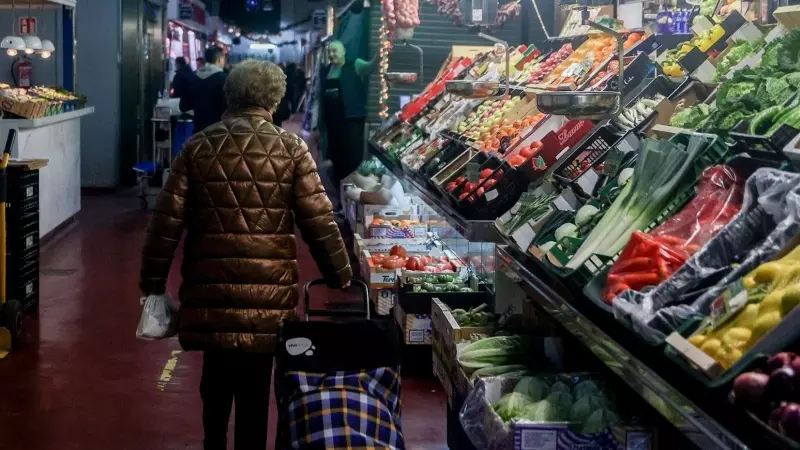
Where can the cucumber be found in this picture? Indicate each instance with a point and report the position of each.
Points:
(763, 119)
(783, 118)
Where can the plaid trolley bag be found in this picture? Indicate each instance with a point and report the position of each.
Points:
(337, 383)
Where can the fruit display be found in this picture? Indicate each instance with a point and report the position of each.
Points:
(486, 115)
(474, 317)
(542, 69)
(702, 42)
(580, 63)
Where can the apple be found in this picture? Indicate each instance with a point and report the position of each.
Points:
(414, 263)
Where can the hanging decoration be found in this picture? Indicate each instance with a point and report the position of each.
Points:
(384, 36)
(452, 8)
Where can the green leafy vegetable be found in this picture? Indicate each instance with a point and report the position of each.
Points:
(512, 405)
(585, 406)
(493, 351)
(599, 420)
(533, 387)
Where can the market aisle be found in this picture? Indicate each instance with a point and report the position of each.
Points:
(82, 381)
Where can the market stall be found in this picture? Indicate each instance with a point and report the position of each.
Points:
(657, 233)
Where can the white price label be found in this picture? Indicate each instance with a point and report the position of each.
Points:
(477, 15)
(29, 192)
(539, 440)
(523, 236)
(491, 195)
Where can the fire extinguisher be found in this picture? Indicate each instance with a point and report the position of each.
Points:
(22, 72)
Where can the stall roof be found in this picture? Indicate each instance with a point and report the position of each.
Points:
(22, 4)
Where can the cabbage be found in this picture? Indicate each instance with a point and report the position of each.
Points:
(561, 401)
(585, 406)
(512, 405)
(533, 387)
(559, 386)
(546, 411)
(586, 387)
(599, 420)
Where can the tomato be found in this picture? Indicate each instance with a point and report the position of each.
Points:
(393, 263)
(414, 263)
(516, 160)
(398, 250)
(536, 145)
(525, 152)
(377, 259)
(488, 184)
(463, 196)
(444, 259)
(459, 180)
(486, 173)
(451, 186)
(479, 192)
(468, 187)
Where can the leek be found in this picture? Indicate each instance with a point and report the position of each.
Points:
(659, 170)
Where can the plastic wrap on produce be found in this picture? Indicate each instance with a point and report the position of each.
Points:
(769, 218)
(484, 428)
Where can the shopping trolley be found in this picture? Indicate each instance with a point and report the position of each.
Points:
(337, 382)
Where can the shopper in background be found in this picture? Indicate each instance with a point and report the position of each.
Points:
(182, 79)
(239, 269)
(284, 111)
(201, 62)
(205, 95)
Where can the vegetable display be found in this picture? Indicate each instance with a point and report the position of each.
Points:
(659, 171)
(649, 259)
(637, 113)
(735, 55)
(532, 208)
(772, 394)
(494, 351)
(474, 317)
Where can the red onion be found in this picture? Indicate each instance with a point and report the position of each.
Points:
(779, 360)
(781, 385)
(748, 389)
(789, 424)
(775, 418)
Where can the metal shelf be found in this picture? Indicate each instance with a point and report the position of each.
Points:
(692, 421)
(472, 230)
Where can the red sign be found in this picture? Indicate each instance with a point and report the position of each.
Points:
(189, 10)
(28, 25)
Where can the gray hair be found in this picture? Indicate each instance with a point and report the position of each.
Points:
(254, 83)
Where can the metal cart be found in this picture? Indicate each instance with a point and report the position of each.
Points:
(162, 149)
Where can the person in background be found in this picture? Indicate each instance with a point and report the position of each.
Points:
(205, 95)
(300, 86)
(182, 79)
(200, 62)
(342, 110)
(238, 188)
(284, 110)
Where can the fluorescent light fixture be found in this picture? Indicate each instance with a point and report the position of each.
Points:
(261, 46)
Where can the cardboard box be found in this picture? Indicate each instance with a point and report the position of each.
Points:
(444, 378)
(416, 327)
(384, 300)
(446, 334)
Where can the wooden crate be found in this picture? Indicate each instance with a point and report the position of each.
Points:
(446, 334)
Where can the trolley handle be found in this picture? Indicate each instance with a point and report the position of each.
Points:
(335, 312)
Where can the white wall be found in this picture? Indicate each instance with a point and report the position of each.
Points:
(45, 71)
(98, 33)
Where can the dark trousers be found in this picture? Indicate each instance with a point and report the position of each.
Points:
(243, 379)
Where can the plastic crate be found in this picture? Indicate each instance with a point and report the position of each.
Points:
(589, 152)
(506, 188)
(765, 147)
(25, 288)
(22, 239)
(484, 161)
(716, 152)
(23, 191)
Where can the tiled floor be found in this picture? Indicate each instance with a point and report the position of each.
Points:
(83, 381)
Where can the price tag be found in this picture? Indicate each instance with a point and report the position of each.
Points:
(491, 195)
(477, 15)
(473, 172)
(729, 302)
(524, 235)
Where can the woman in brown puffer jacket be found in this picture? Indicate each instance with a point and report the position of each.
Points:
(238, 188)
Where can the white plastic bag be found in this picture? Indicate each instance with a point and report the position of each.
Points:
(159, 318)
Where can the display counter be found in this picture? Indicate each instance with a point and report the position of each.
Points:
(56, 138)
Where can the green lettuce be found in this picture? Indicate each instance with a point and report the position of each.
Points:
(512, 405)
(533, 387)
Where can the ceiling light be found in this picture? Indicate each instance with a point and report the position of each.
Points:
(32, 43)
(261, 46)
(13, 44)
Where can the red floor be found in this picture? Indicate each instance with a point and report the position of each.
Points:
(83, 381)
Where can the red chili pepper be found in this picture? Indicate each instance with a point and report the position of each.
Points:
(638, 264)
(640, 279)
(613, 290)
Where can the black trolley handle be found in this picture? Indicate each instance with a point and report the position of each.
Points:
(349, 312)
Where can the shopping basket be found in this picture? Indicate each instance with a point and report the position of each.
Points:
(337, 382)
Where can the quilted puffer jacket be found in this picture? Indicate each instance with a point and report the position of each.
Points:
(238, 188)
